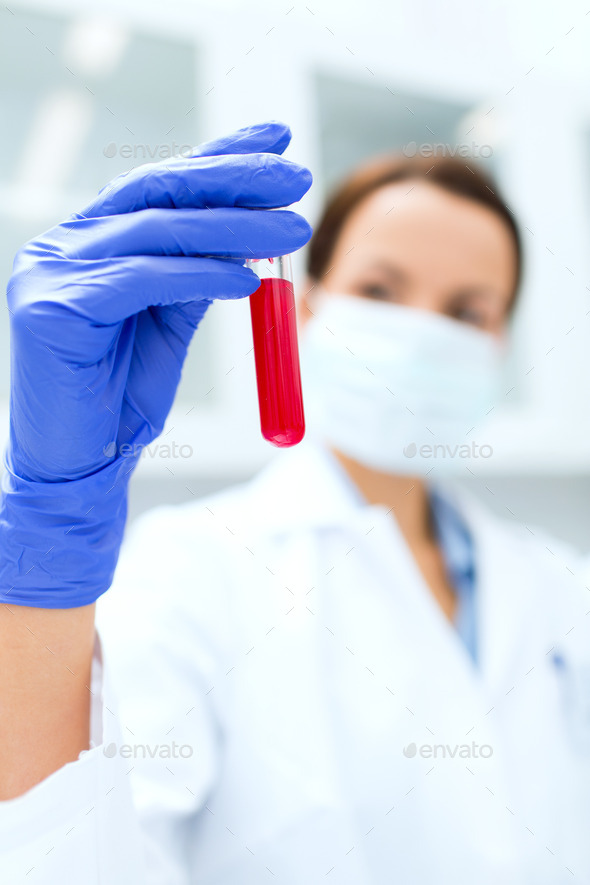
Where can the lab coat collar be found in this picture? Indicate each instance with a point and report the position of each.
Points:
(306, 487)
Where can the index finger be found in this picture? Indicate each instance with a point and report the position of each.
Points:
(152, 185)
(272, 137)
(249, 181)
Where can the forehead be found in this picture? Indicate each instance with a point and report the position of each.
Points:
(414, 220)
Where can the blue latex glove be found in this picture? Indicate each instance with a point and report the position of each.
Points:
(102, 310)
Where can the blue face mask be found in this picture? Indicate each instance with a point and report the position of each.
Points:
(397, 388)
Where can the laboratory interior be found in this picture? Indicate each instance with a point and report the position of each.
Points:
(87, 93)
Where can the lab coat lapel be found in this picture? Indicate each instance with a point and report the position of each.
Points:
(450, 671)
(505, 593)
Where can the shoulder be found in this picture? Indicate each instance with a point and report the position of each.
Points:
(525, 553)
(190, 558)
(507, 524)
(201, 524)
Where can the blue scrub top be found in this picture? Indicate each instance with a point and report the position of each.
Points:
(457, 549)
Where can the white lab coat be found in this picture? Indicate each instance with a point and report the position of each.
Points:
(285, 635)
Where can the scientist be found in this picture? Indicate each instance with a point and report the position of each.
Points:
(344, 670)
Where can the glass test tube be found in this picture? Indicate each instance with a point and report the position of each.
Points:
(276, 354)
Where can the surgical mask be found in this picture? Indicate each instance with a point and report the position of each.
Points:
(399, 389)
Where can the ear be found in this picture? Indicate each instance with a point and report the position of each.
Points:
(306, 300)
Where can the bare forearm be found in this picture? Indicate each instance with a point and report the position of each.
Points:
(45, 666)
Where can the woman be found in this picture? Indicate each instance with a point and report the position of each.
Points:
(345, 667)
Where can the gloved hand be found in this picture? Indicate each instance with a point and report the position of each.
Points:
(102, 310)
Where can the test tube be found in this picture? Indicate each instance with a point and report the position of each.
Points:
(276, 354)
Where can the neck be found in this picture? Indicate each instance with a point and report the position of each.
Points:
(405, 496)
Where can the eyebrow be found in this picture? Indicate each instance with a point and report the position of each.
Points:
(390, 269)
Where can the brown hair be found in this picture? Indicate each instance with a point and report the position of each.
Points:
(466, 179)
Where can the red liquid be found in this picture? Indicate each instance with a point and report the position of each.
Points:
(276, 356)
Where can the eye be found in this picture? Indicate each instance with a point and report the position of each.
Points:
(470, 315)
(374, 290)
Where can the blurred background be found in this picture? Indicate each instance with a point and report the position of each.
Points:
(86, 93)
